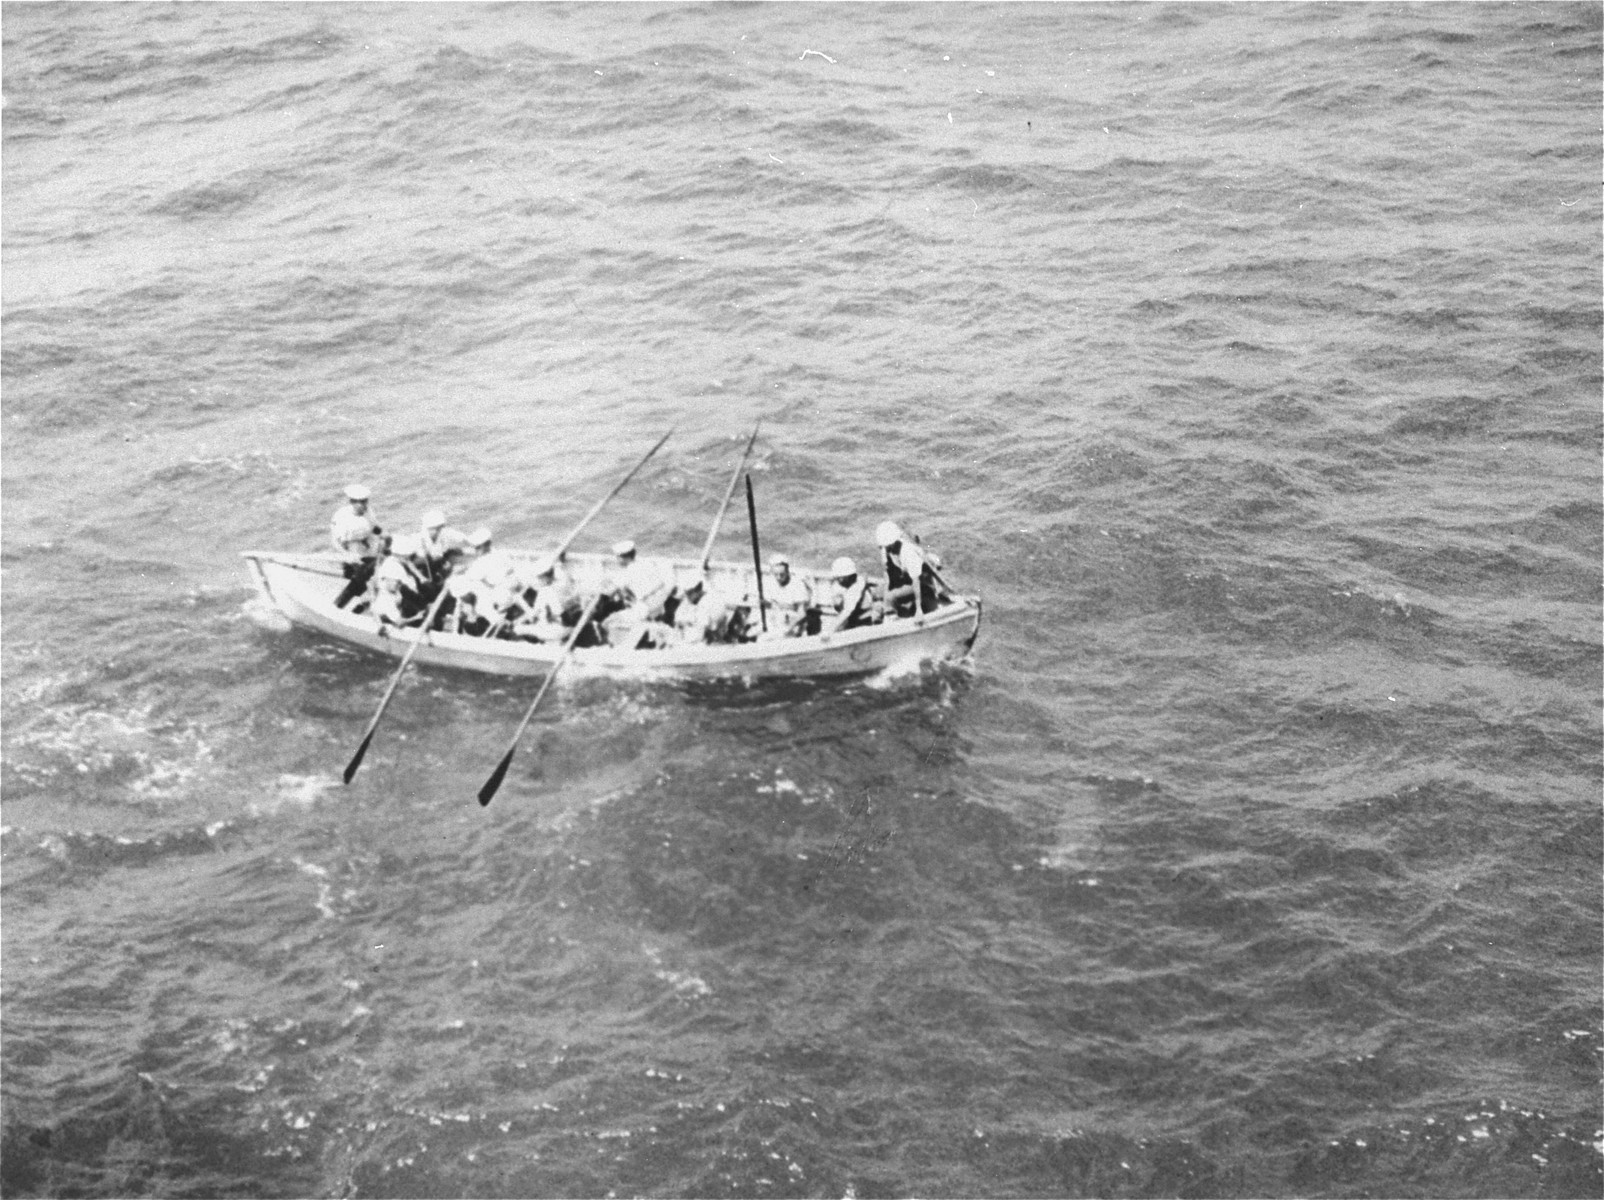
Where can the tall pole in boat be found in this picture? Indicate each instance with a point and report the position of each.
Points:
(757, 555)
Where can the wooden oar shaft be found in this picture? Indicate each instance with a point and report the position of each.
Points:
(707, 549)
(757, 556)
(562, 546)
(395, 681)
(488, 791)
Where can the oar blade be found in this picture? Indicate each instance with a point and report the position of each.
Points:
(395, 682)
(500, 773)
(487, 793)
(356, 759)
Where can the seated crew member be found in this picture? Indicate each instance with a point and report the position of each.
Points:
(465, 617)
(547, 603)
(699, 616)
(849, 603)
(388, 602)
(400, 568)
(636, 601)
(442, 547)
(787, 599)
(905, 563)
(420, 593)
(493, 580)
(356, 538)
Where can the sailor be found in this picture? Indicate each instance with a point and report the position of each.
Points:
(634, 607)
(547, 599)
(442, 547)
(905, 562)
(356, 538)
(396, 585)
(403, 568)
(849, 603)
(389, 601)
(787, 599)
(463, 616)
(492, 580)
(640, 584)
(699, 617)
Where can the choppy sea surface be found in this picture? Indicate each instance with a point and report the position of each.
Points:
(1245, 359)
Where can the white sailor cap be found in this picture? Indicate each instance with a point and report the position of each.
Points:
(480, 536)
(624, 548)
(357, 491)
(544, 567)
(779, 558)
(887, 533)
(842, 567)
(433, 519)
(405, 546)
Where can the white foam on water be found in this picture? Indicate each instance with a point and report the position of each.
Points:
(294, 791)
(263, 612)
(89, 741)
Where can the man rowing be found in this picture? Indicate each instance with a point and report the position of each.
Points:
(441, 547)
(398, 584)
(357, 539)
(551, 604)
(633, 609)
(700, 616)
(491, 581)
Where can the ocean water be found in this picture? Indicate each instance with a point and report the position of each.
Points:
(1246, 360)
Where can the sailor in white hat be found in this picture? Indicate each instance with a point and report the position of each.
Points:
(442, 547)
(906, 562)
(492, 581)
(548, 597)
(849, 602)
(640, 585)
(398, 583)
(699, 617)
(356, 538)
(635, 600)
(788, 598)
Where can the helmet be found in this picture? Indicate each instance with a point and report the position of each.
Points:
(480, 536)
(357, 492)
(842, 567)
(623, 548)
(433, 519)
(887, 534)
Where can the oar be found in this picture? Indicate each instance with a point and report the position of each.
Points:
(757, 555)
(356, 759)
(707, 550)
(562, 546)
(500, 773)
(423, 634)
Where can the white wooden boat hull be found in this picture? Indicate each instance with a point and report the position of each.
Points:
(303, 586)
